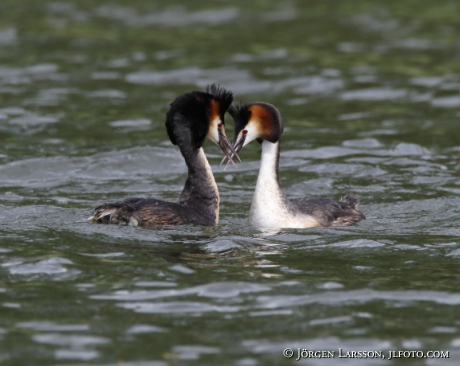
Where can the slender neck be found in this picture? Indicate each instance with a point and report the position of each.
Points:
(268, 187)
(200, 192)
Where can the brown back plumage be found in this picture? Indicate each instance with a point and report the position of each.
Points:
(329, 212)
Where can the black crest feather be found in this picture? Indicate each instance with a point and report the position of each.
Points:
(192, 112)
(224, 96)
(189, 111)
(241, 116)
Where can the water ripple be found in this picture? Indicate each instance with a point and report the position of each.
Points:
(126, 164)
(374, 94)
(178, 307)
(136, 123)
(144, 328)
(8, 36)
(49, 326)
(50, 266)
(75, 354)
(193, 352)
(170, 17)
(446, 102)
(213, 290)
(358, 296)
(69, 340)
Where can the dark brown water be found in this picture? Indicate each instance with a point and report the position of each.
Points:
(369, 92)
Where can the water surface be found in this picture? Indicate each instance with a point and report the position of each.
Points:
(369, 97)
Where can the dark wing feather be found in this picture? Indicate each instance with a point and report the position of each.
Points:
(329, 212)
(146, 212)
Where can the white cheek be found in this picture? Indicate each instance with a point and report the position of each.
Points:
(252, 134)
(213, 133)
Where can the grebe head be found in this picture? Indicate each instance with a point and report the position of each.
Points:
(198, 115)
(256, 121)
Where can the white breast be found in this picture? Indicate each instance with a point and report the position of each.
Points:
(269, 208)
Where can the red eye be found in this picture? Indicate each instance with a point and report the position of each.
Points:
(219, 125)
(245, 132)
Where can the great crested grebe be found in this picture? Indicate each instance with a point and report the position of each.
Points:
(191, 119)
(270, 208)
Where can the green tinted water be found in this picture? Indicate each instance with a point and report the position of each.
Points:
(369, 96)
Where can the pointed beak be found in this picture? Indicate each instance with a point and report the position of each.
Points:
(237, 146)
(225, 145)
